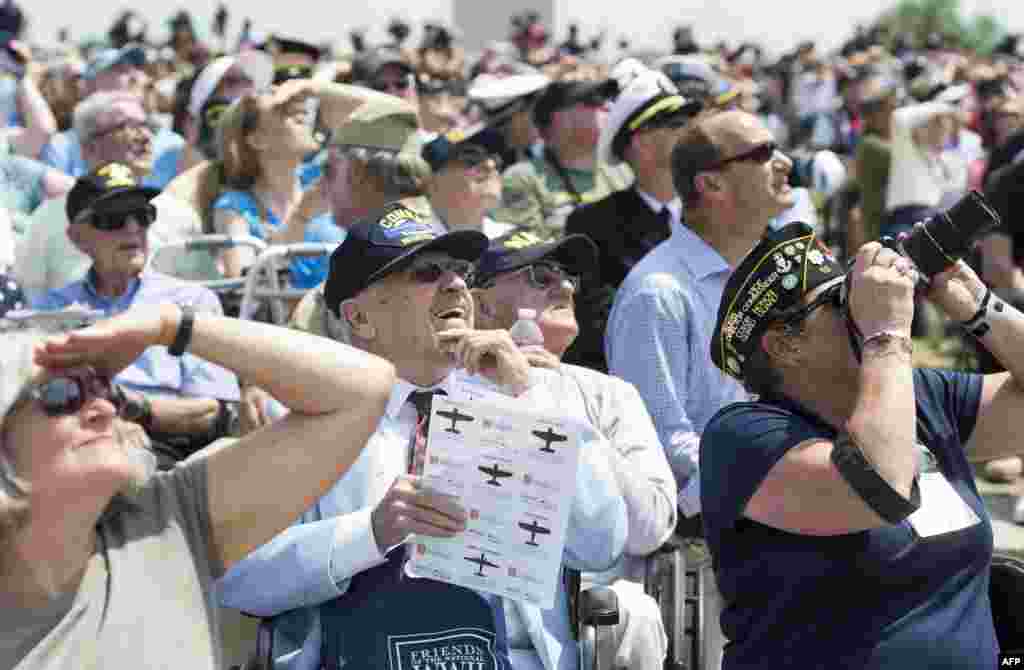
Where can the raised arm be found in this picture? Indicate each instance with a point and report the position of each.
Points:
(336, 395)
(961, 295)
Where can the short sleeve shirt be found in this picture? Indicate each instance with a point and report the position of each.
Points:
(305, 272)
(881, 598)
(147, 597)
(21, 189)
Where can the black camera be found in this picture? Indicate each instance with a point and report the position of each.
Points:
(947, 236)
(934, 247)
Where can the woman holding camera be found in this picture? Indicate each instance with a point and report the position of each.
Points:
(104, 564)
(840, 508)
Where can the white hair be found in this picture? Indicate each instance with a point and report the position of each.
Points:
(337, 326)
(401, 174)
(87, 113)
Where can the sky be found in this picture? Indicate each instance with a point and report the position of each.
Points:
(777, 24)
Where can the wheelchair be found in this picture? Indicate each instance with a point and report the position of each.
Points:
(1006, 592)
(677, 577)
(195, 260)
(266, 281)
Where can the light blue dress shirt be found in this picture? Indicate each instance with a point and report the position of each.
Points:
(659, 339)
(64, 152)
(155, 371)
(313, 561)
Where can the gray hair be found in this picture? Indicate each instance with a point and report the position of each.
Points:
(337, 326)
(401, 174)
(88, 112)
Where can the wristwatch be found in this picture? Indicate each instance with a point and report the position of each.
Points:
(135, 407)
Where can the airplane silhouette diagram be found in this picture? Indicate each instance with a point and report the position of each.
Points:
(456, 416)
(534, 528)
(480, 562)
(495, 472)
(549, 436)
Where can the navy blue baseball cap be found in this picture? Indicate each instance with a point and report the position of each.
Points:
(519, 248)
(384, 243)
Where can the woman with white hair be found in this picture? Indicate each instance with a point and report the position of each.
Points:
(104, 563)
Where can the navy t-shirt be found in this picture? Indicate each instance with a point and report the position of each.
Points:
(874, 599)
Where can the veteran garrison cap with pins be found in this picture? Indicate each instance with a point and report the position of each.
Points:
(785, 265)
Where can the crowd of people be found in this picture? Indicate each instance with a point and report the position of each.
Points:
(695, 236)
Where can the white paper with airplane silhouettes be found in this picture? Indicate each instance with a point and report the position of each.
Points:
(515, 473)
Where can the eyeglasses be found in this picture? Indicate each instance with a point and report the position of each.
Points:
(69, 392)
(149, 127)
(429, 271)
(389, 85)
(111, 221)
(479, 164)
(762, 153)
(542, 276)
(833, 295)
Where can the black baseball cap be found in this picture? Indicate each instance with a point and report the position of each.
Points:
(522, 247)
(561, 94)
(112, 187)
(465, 144)
(385, 242)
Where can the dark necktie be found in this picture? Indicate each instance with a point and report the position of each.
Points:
(659, 232)
(422, 401)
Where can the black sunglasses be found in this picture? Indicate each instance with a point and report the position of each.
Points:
(387, 85)
(833, 295)
(110, 221)
(762, 153)
(69, 392)
(429, 271)
(542, 276)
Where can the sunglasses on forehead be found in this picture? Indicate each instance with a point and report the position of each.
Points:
(69, 392)
(111, 221)
(762, 153)
(429, 271)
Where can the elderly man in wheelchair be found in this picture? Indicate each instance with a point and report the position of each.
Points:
(407, 298)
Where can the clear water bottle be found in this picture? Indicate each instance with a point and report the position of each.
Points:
(525, 331)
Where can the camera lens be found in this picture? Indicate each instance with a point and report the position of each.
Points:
(947, 237)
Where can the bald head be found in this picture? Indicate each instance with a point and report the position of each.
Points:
(706, 141)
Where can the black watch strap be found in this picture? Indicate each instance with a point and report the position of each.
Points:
(872, 488)
(184, 334)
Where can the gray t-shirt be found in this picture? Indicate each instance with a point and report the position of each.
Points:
(146, 599)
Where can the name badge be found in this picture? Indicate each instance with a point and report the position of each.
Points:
(942, 509)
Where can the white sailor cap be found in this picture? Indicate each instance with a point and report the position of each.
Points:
(499, 95)
(651, 94)
(256, 65)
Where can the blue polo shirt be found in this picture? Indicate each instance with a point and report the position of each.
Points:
(155, 371)
(874, 599)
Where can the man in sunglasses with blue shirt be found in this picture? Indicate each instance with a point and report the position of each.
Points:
(183, 402)
(399, 287)
(732, 181)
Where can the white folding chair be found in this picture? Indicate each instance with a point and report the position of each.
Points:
(264, 282)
